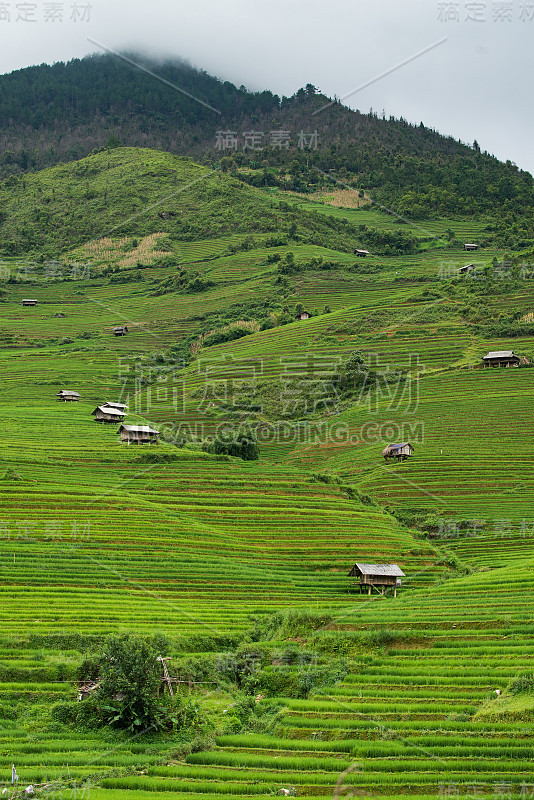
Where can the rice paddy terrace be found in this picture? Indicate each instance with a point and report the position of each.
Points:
(97, 537)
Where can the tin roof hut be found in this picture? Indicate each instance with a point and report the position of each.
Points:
(501, 358)
(303, 315)
(373, 576)
(108, 414)
(28, 302)
(67, 395)
(398, 451)
(361, 253)
(120, 330)
(138, 434)
(471, 246)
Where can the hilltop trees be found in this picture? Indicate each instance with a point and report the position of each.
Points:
(409, 168)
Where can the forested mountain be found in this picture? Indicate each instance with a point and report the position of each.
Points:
(53, 114)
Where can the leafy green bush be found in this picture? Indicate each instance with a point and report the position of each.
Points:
(188, 282)
(130, 678)
(523, 683)
(288, 624)
(126, 276)
(65, 713)
(238, 444)
(226, 336)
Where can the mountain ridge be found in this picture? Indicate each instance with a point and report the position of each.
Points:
(53, 114)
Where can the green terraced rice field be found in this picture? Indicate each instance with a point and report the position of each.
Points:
(96, 537)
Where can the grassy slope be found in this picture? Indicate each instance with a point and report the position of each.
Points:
(135, 191)
(95, 537)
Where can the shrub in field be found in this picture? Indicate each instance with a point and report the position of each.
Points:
(130, 677)
(11, 475)
(7, 711)
(227, 335)
(241, 445)
(298, 682)
(254, 716)
(159, 458)
(318, 676)
(199, 643)
(198, 668)
(65, 713)
(188, 282)
(523, 683)
(127, 276)
(288, 624)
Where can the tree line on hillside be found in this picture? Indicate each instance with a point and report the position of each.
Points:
(62, 112)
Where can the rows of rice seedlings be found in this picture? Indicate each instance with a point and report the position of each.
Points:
(468, 229)
(404, 742)
(80, 547)
(279, 537)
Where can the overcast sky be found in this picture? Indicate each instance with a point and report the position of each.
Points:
(474, 85)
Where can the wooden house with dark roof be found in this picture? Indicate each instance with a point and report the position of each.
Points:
(471, 246)
(138, 434)
(377, 577)
(120, 330)
(67, 395)
(501, 358)
(108, 414)
(399, 452)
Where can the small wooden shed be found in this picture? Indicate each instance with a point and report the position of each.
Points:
(361, 253)
(28, 302)
(108, 414)
(303, 315)
(67, 396)
(138, 434)
(467, 268)
(400, 451)
(86, 689)
(501, 358)
(120, 330)
(373, 576)
(471, 246)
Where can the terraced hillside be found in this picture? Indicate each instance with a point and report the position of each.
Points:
(343, 693)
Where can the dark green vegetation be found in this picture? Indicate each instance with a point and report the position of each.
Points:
(60, 112)
(140, 192)
(239, 567)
